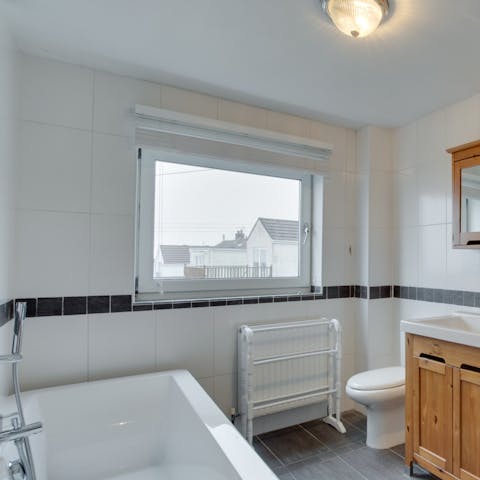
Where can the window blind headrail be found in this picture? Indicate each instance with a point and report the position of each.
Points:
(151, 120)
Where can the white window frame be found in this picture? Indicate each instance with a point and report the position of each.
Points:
(146, 285)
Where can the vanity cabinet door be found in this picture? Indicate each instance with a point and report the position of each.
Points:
(466, 424)
(432, 413)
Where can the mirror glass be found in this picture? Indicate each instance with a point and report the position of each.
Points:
(470, 221)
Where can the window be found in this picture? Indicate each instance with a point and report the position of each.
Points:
(207, 226)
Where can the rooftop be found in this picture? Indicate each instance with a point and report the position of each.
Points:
(175, 254)
(280, 230)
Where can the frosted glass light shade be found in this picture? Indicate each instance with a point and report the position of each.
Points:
(356, 18)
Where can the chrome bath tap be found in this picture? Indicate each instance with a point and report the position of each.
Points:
(23, 468)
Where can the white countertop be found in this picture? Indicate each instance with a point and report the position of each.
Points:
(462, 328)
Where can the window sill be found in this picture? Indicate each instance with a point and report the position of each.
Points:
(141, 303)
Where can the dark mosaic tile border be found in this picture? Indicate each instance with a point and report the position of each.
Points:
(6, 312)
(437, 295)
(49, 306)
(81, 305)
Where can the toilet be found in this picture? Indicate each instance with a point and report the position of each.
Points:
(382, 392)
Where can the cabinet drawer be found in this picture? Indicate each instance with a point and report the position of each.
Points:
(452, 353)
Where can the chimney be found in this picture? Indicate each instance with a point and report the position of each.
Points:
(239, 236)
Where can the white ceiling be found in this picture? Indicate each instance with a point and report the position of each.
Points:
(281, 54)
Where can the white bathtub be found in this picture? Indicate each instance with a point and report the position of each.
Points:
(145, 427)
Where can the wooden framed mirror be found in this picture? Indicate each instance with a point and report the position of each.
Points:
(466, 195)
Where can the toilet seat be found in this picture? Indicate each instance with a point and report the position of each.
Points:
(379, 379)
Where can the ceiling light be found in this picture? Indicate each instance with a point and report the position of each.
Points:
(356, 18)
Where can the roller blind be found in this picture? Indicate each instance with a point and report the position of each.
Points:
(191, 134)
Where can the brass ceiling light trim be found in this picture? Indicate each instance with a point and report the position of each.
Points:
(356, 18)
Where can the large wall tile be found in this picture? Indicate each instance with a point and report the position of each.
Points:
(111, 254)
(224, 392)
(382, 333)
(337, 138)
(380, 149)
(431, 137)
(361, 207)
(381, 196)
(54, 168)
(115, 100)
(381, 259)
(360, 256)
(243, 114)
(51, 256)
(405, 195)
(120, 344)
(334, 260)
(185, 340)
(405, 256)
(113, 175)
(463, 266)
(432, 256)
(432, 189)
(186, 101)
(56, 93)
(405, 147)
(289, 124)
(55, 351)
(334, 200)
(463, 122)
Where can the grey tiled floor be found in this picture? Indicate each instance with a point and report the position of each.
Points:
(314, 450)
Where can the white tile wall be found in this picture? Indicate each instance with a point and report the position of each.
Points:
(405, 199)
(51, 253)
(55, 351)
(404, 147)
(422, 204)
(334, 262)
(56, 93)
(282, 122)
(64, 252)
(114, 100)
(189, 102)
(341, 157)
(381, 187)
(380, 256)
(111, 254)
(335, 199)
(119, 345)
(113, 175)
(8, 114)
(185, 340)
(432, 188)
(405, 256)
(243, 114)
(463, 121)
(54, 168)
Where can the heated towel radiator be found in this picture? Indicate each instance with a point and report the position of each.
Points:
(288, 365)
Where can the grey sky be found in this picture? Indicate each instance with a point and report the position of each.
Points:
(196, 205)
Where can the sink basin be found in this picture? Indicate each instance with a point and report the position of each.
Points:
(459, 327)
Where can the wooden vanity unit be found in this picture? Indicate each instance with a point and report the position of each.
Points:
(443, 407)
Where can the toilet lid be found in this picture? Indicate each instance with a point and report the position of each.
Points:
(379, 379)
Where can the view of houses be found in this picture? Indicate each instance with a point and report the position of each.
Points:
(269, 250)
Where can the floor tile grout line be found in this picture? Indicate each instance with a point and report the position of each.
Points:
(354, 426)
(396, 453)
(295, 462)
(352, 467)
(270, 450)
(316, 438)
